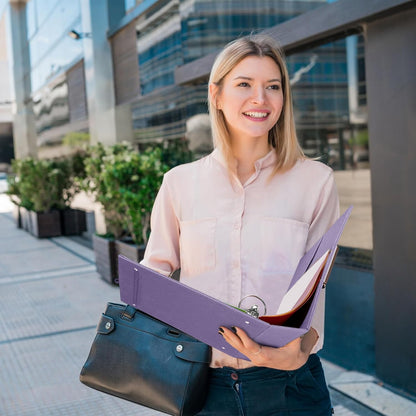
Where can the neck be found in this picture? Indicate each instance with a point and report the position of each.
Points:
(246, 154)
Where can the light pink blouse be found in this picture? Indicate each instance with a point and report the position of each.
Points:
(231, 240)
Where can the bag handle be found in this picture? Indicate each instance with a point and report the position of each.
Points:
(128, 313)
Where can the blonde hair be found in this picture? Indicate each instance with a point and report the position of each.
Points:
(283, 135)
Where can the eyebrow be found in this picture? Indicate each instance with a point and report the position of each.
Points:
(251, 79)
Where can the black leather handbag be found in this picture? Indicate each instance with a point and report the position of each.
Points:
(139, 358)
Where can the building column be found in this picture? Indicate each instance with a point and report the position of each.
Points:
(24, 131)
(108, 124)
(391, 92)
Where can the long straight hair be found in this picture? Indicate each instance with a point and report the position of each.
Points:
(282, 136)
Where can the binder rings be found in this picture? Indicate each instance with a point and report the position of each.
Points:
(200, 315)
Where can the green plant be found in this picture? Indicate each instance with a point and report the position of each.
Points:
(39, 184)
(13, 189)
(360, 139)
(125, 182)
(43, 185)
(139, 193)
(173, 152)
(104, 191)
(75, 167)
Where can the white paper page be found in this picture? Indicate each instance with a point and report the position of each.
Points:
(302, 287)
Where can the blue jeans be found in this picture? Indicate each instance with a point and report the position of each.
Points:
(260, 391)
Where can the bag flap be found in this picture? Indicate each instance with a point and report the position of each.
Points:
(105, 325)
(196, 352)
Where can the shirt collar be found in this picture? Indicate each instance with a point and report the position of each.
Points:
(268, 160)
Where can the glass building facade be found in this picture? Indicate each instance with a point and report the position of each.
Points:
(328, 81)
(178, 32)
(330, 105)
(328, 84)
(182, 31)
(51, 53)
(51, 49)
(329, 97)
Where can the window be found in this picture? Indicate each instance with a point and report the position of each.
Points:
(329, 95)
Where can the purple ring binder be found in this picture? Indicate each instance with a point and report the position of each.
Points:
(200, 315)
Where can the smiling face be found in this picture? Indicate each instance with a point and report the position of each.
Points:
(251, 98)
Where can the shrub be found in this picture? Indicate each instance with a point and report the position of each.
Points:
(125, 182)
(101, 189)
(145, 172)
(39, 183)
(43, 185)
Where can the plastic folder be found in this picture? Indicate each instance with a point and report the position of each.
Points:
(200, 315)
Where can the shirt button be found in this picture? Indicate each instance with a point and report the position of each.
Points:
(234, 376)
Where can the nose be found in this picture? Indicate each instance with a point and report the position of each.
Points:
(258, 95)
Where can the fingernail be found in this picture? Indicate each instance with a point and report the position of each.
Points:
(234, 329)
(220, 331)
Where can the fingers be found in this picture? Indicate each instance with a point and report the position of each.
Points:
(288, 357)
(238, 339)
(231, 337)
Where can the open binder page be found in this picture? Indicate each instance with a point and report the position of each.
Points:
(300, 292)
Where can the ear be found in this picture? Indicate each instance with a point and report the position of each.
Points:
(214, 95)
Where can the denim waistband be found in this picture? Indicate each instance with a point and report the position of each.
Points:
(263, 373)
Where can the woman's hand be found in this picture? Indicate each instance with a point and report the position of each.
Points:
(289, 357)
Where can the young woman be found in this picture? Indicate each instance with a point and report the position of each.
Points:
(237, 222)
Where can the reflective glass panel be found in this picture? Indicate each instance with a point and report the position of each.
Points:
(329, 95)
(51, 49)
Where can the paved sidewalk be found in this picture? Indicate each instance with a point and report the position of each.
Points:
(50, 301)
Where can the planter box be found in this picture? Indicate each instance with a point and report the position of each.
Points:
(16, 216)
(105, 258)
(45, 224)
(25, 220)
(90, 225)
(128, 249)
(73, 221)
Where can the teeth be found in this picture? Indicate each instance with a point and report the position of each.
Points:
(256, 114)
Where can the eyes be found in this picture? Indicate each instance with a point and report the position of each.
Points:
(275, 87)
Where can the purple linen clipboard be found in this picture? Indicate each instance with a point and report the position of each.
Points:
(200, 315)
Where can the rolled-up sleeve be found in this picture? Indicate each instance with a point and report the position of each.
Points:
(162, 250)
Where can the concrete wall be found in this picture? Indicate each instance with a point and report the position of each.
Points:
(108, 123)
(391, 91)
(23, 117)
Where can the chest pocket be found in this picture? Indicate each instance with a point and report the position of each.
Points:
(197, 246)
(283, 244)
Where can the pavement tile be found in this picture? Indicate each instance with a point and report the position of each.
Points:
(41, 377)
(19, 241)
(352, 377)
(74, 248)
(378, 398)
(52, 305)
(37, 260)
(343, 411)
(50, 274)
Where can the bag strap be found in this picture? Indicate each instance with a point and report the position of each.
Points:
(128, 313)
